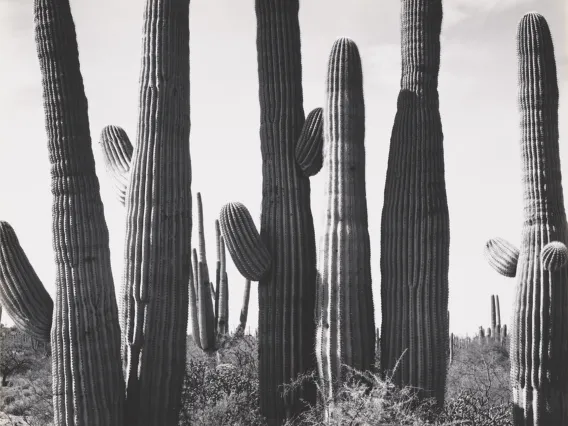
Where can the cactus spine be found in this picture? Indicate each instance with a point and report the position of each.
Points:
(345, 334)
(415, 232)
(287, 293)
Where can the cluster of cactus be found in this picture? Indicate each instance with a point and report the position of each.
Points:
(92, 383)
(209, 303)
(312, 314)
(538, 349)
(496, 333)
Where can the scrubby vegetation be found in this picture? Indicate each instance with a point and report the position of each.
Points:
(221, 388)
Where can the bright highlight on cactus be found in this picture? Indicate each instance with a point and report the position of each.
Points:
(247, 250)
(502, 256)
(554, 256)
(345, 334)
(117, 154)
(21, 291)
(309, 147)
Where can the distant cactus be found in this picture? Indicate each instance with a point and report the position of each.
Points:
(415, 234)
(117, 154)
(539, 373)
(210, 320)
(345, 334)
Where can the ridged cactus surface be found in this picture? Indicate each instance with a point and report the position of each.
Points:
(27, 302)
(309, 148)
(248, 251)
(85, 340)
(287, 292)
(415, 232)
(539, 349)
(117, 154)
(158, 222)
(345, 334)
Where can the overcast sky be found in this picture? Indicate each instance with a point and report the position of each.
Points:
(478, 102)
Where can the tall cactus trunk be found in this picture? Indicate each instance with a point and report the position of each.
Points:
(88, 386)
(158, 231)
(345, 335)
(287, 292)
(539, 335)
(415, 232)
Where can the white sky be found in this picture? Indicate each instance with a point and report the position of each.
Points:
(478, 98)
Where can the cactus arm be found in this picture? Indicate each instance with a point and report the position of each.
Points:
(26, 300)
(345, 334)
(87, 376)
(158, 221)
(309, 147)
(554, 256)
(502, 256)
(117, 154)
(243, 241)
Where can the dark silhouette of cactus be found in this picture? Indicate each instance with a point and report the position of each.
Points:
(539, 372)
(415, 232)
(117, 154)
(88, 383)
(345, 334)
(27, 302)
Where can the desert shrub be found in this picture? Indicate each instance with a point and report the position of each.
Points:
(222, 388)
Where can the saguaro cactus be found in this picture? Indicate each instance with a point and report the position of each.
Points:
(287, 292)
(88, 383)
(345, 334)
(415, 233)
(85, 337)
(539, 372)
